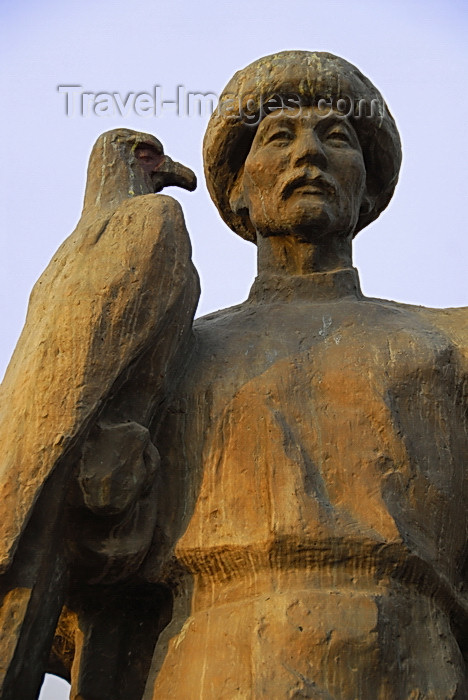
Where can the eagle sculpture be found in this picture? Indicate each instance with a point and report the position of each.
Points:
(118, 296)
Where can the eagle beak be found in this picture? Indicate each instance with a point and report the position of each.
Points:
(170, 172)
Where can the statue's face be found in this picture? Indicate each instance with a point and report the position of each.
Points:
(304, 175)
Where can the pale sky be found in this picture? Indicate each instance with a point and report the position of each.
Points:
(414, 51)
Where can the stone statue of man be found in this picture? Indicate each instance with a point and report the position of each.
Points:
(311, 500)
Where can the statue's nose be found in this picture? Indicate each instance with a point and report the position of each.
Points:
(308, 149)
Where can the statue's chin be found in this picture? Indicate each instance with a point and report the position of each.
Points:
(309, 217)
(310, 229)
(315, 217)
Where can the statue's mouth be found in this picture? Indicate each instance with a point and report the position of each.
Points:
(306, 184)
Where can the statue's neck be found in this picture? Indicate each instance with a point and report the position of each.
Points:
(315, 286)
(290, 269)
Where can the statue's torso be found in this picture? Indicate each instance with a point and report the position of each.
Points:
(318, 453)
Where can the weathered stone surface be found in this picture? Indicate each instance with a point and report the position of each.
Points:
(271, 503)
(123, 282)
(325, 503)
(107, 293)
(324, 520)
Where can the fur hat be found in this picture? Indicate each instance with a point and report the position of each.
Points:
(299, 78)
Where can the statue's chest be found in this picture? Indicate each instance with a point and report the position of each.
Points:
(350, 349)
(338, 424)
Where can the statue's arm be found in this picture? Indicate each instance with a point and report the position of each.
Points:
(455, 323)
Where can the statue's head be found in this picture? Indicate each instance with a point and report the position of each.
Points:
(126, 163)
(301, 141)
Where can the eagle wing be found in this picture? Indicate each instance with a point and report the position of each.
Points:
(111, 290)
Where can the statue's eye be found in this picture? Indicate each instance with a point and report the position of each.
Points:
(149, 157)
(338, 136)
(279, 136)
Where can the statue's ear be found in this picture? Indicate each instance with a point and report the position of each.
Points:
(367, 204)
(236, 200)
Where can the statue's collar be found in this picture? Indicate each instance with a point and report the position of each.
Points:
(316, 286)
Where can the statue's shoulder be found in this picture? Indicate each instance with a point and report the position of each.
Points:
(456, 314)
(216, 320)
(452, 322)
